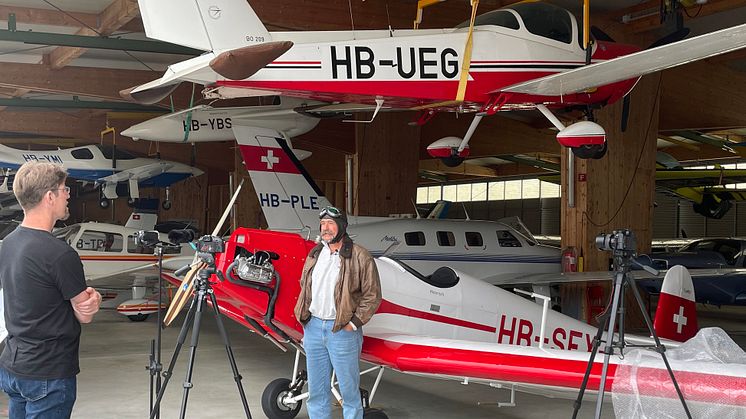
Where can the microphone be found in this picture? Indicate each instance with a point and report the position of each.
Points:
(181, 236)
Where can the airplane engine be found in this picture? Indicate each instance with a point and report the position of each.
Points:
(586, 139)
(446, 149)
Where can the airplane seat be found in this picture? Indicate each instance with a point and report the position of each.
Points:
(443, 277)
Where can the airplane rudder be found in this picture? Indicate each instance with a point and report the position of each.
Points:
(231, 24)
(676, 314)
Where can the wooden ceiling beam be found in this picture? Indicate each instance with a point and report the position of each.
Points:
(29, 15)
(465, 169)
(652, 21)
(116, 15)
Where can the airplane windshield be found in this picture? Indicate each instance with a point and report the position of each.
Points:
(108, 152)
(502, 18)
(546, 20)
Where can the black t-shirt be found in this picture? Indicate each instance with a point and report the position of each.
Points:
(39, 275)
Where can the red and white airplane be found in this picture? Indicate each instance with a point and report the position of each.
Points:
(451, 326)
(525, 56)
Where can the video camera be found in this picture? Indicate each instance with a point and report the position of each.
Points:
(622, 241)
(208, 246)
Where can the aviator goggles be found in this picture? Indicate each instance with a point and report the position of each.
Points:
(330, 211)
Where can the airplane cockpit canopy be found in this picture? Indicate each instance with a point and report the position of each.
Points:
(542, 19)
(108, 152)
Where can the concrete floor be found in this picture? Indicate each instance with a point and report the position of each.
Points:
(114, 382)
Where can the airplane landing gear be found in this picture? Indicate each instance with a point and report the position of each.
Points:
(277, 397)
(591, 151)
(166, 205)
(103, 203)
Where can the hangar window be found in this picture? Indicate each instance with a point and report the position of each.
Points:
(507, 239)
(99, 241)
(82, 154)
(445, 238)
(474, 238)
(416, 238)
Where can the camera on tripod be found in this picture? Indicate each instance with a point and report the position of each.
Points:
(147, 238)
(208, 246)
(617, 241)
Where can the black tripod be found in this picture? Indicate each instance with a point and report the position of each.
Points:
(194, 317)
(622, 244)
(155, 367)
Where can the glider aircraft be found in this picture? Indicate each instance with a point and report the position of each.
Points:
(525, 56)
(449, 325)
(106, 167)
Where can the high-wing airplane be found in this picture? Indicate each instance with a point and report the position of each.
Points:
(291, 201)
(525, 56)
(110, 252)
(449, 325)
(102, 166)
(288, 116)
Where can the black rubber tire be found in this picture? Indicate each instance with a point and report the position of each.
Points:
(139, 317)
(166, 205)
(271, 400)
(452, 161)
(590, 151)
(372, 413)
(104, 203)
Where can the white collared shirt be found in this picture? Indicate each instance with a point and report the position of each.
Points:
(323, 281)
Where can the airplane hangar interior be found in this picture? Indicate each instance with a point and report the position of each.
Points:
(553, 194)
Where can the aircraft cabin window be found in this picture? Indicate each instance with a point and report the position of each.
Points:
(474, 238)
(507, 239)
(546, 20)
(446, 238)
(501, 18)
(99, 241)
(416, 238)
(67, 234)
(82, 154)
(108, 152)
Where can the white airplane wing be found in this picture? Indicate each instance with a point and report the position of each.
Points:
(558, 278)
(183, 111)
(138, 173)
(634, 65)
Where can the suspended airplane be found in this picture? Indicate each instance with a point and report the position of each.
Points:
(105, 167)
(289, 116)
(291, 201)
(449, 325)
(110, 252)
(524, 56)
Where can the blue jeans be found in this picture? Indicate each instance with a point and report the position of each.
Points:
(326, 350)
(38, 399)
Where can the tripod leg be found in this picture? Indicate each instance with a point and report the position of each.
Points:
(179, 343)
(200, 297)
(658, 345)
(594, 351)
(609, 341)
(226, 341)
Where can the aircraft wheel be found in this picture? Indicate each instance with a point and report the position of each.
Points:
(272, 403)
(166, 205)
(104, 203)
(452, 161)
(371, 413)
(595, 151)
(139, 317)
(131, 202)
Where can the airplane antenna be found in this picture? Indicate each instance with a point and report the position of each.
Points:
(352, 19)
(388, 18)
(466, 213)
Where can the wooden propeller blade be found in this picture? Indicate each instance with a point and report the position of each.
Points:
(183, 292)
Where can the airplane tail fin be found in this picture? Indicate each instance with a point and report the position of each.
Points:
(289, 198)
(142, 221)
(214, 25)
(676, 315)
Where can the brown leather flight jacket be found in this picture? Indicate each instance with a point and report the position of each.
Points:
(357, 294)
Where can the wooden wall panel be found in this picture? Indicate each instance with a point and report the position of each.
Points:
(386, 165)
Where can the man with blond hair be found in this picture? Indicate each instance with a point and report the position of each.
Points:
(46, 299)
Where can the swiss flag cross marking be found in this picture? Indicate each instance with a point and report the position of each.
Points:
(270, 159)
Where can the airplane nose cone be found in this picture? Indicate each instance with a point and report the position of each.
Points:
(134, 132)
